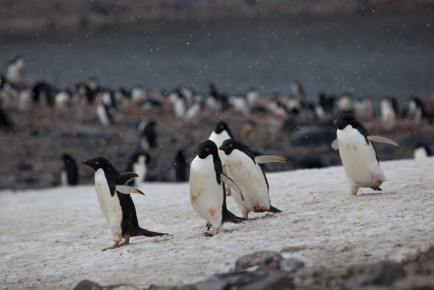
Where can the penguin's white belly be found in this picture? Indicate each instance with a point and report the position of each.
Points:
(140, 169)
(251, 181)
(206, 195)
(358, 158)
(110, 205)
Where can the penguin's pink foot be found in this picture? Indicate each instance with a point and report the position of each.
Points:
(212, 233)
(208, 226)
(116, 245)
(125, 242)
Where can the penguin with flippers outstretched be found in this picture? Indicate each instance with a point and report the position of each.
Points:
(207, 189)
(116, 203)
(244, 168)
(357, 153)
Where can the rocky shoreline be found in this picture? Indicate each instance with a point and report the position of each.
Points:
(270, 270)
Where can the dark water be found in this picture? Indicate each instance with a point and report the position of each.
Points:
(375, 55)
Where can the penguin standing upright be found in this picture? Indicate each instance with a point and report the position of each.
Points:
(220, 133)
(357, 153)
(69, 172)
(116, 203)
(180, 167)
(207, 190)
(147, 134)
(243, 167)
(138, 163)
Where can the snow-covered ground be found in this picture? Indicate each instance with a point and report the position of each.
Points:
(53, 238)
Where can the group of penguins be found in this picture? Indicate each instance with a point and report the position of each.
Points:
(187, 104)
(225, 166)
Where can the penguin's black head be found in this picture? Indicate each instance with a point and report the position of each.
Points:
(230, 144)
(220, 126)
(97, 163)
(67, 159)
(344, 120)
(206, 148)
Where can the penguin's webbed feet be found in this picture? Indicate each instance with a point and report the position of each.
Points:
(211, 233)
(208, 226)
(116, 245)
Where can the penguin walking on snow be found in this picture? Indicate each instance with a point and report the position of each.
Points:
(116, 203)
(244, 168)
(207, 189)
(69, 172)
(357, 153)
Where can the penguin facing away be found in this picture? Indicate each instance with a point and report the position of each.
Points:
(116, 203)
(244, 168)
(207, 189)
(357, 153)
(69, 172)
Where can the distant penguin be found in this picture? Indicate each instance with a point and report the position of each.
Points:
(147, 134)
(104, 115)
(116, 203)
(388, 113)
(344, 103)
(69, 172)
(245, 170)
(207, 189)
(324, 108)
(363, 109)
(220, 133)
(5, 121)
(179, 103)
(415, 111)
(422, 151)
(43, 93)
(357, 153)
(180, 167)
(15, 71)
(138, 163)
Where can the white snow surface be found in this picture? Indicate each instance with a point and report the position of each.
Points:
(53, 238)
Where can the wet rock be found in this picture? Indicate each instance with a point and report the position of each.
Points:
(381, 274)
(291, 265)
(87, 285)
(313, 136)
(260, 279)
(317, 276)
(261, 259)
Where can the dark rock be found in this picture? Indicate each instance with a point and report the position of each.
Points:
(381, 274)
(87, 285)
(260, 279)
(313, 136)
(317, 276)
(291, 265)
(262, 259)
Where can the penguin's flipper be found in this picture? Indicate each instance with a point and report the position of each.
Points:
(267, 158)
(335, 144)
(126, 177)
(232, 184)
(128, 189)
(381, 139)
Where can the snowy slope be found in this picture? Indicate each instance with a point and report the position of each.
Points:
(53, 238)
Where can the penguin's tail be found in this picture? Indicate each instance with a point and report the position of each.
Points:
(274, 210)
(230, 217)
(146, 233)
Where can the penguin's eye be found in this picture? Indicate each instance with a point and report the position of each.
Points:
(230, 145)
(207, 149)
(96, 162)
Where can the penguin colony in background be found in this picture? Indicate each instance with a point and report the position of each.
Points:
(221, 162)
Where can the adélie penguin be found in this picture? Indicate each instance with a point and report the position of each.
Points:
(116, 203)
(357, 153)
(207, 189)
(244, 168)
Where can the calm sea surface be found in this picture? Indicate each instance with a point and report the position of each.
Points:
(377, 55)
